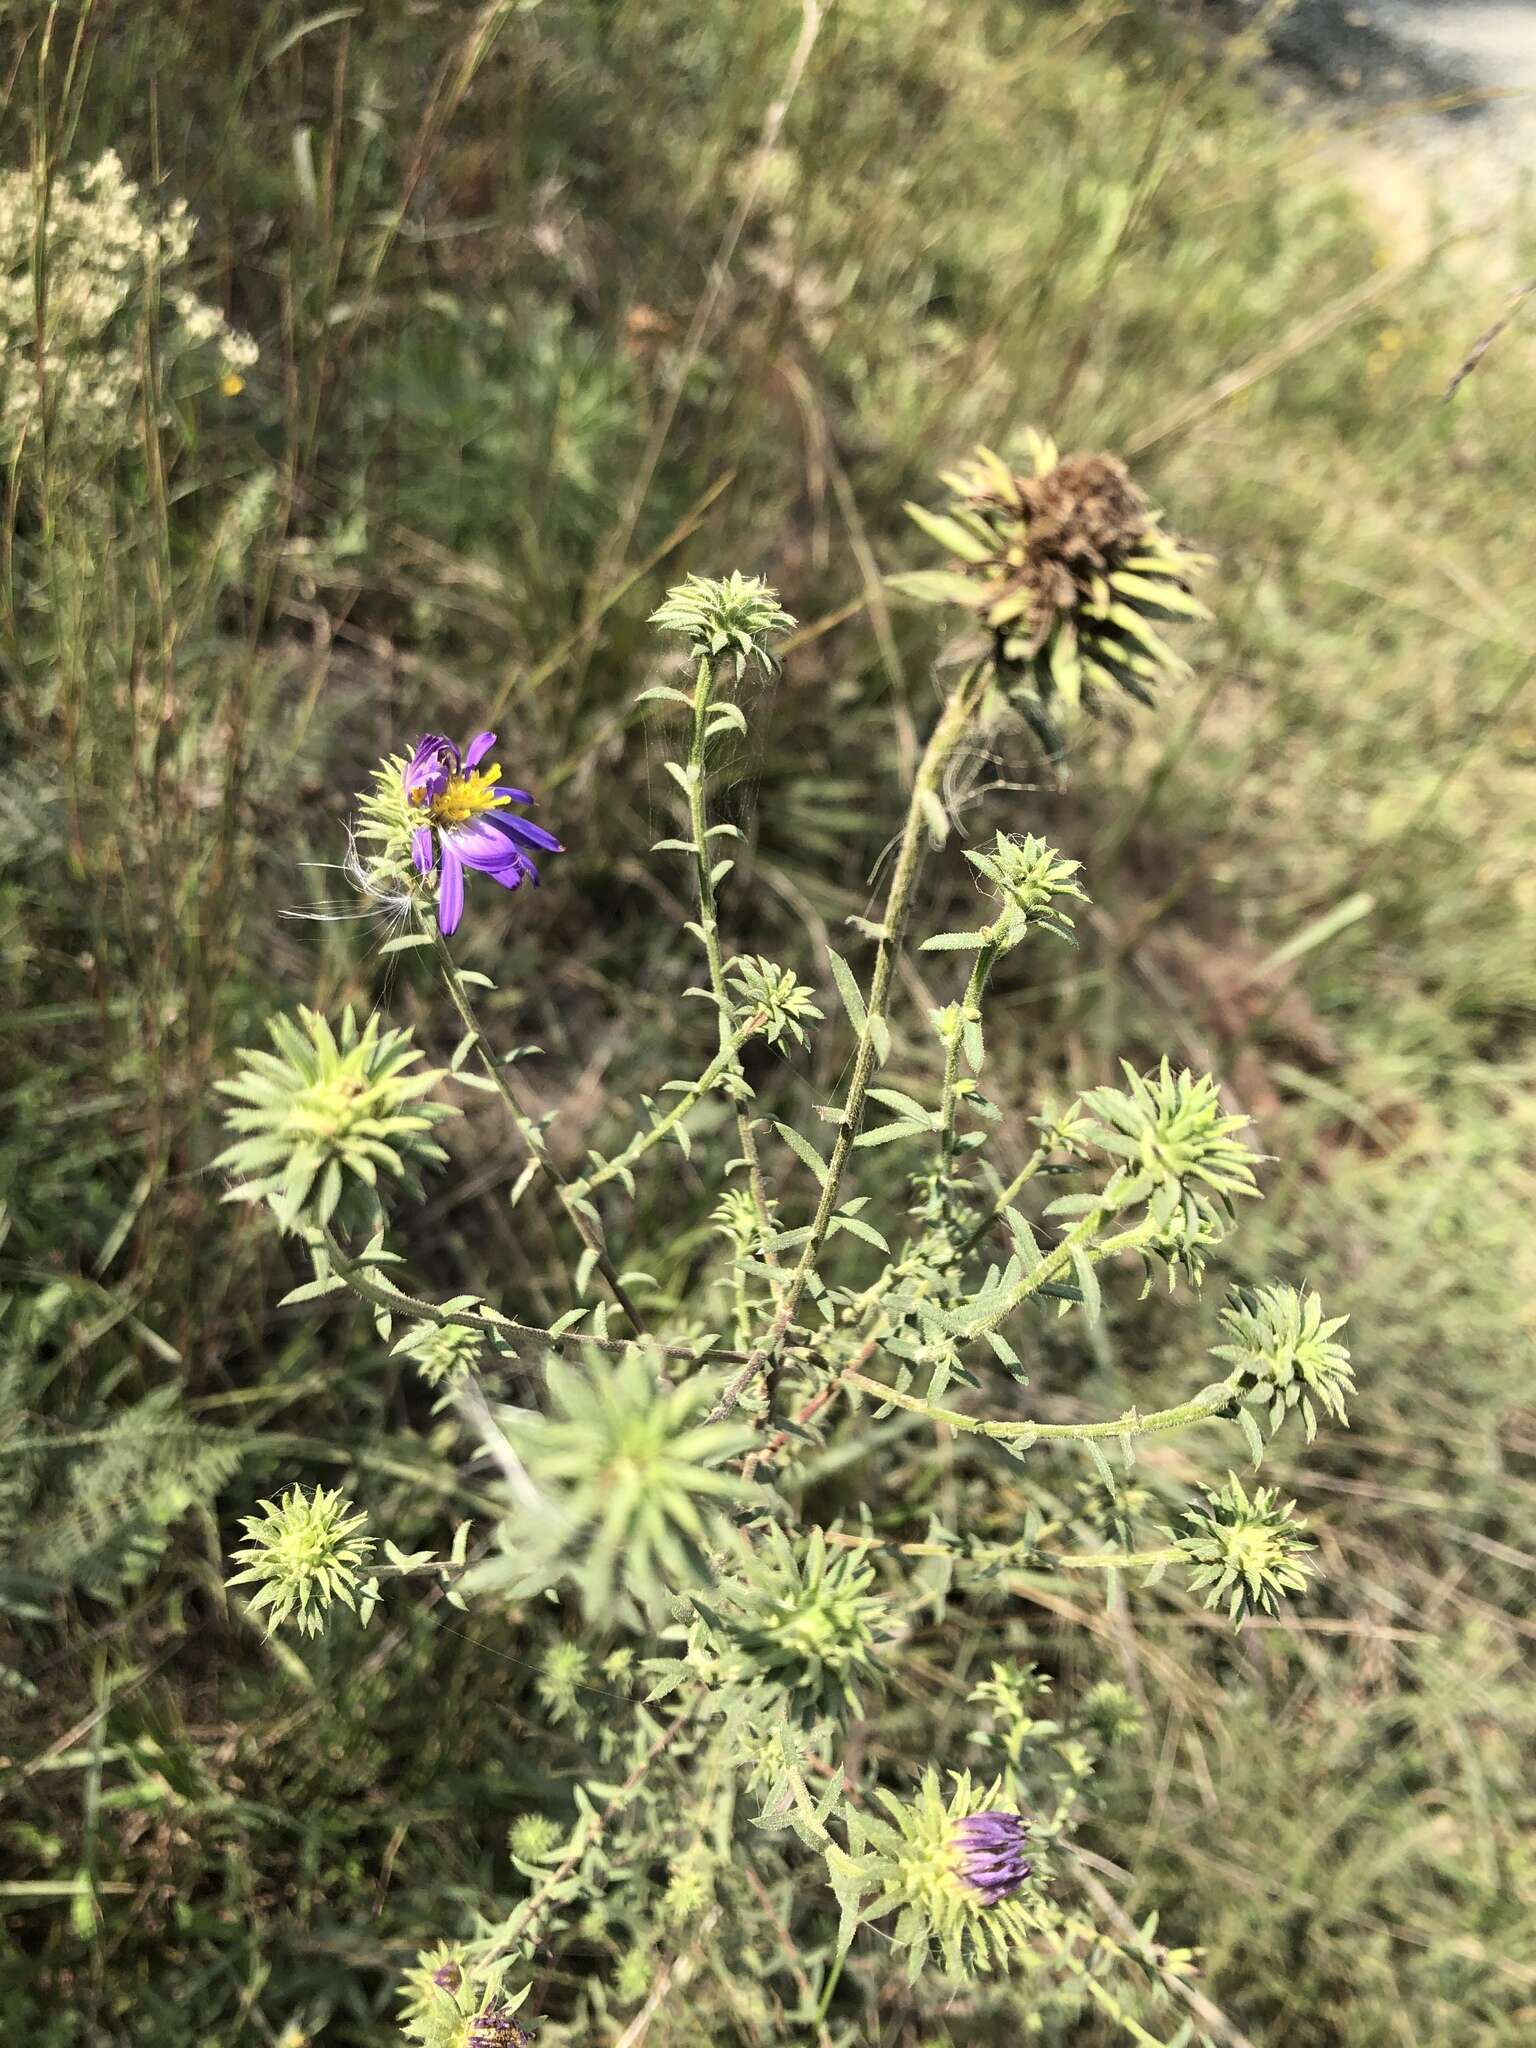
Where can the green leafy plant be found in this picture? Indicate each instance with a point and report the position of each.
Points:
(656, 1469)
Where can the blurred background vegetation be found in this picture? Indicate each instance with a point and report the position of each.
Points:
(554, 301)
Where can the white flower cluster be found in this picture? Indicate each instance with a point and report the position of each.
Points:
(106, 257)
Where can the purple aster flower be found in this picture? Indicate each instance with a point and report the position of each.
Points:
(992, 1858)
(465, 821)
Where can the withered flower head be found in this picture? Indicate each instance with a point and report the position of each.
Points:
(1068, 568)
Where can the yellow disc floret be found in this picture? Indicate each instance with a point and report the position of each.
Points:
(466, 797)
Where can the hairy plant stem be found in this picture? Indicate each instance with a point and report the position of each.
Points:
(514, 1928)
(1057, 1260)
(1098, 1560)
(709, 927)
(1131, 1424)
(1100, 1995)
(639, 1145)
(1008, 1197)
(951, 729)
(1116, 1560)
(382, 1293)
(970, 1012)
(586, 1229)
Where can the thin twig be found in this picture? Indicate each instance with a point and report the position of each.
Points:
(946, 737)
(1488, 337)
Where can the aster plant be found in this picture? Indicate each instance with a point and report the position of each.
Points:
(743, 1477)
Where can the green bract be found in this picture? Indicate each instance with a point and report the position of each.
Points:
(1283, 1350)
(797, 1627)
(324, 1108)
(762, 985)
(305, 1551)
(440, 1351)
(912, 1864)
(1181, 1157)
(382, 862)
(1031, 878)
(1247, 1553)
(735, 616)
(629, 1487)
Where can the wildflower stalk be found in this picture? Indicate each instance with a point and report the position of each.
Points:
(1213, 1402)
(975, 988)
(1101, 1996)
(723, 1062)
(945, 738)
(530, 1133)
(1118, 1560)
(382, 1293)
(1008, 1197)
(514, 1928)
(1056, 1262)
(709, 928)
(1098, 1560)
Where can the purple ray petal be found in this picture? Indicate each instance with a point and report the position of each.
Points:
(432, 761)
(477, 749)
(517, 796)
(450, 891)
(480, 845)
(421, 849)
(526, 830)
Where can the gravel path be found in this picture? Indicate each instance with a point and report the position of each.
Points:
(1453, 81)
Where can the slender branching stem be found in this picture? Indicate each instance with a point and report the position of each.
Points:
(1132, 1423)
(709, 927)
(981, 967)
(947, 735)
(528, 1130)
(590, 1832)
(1009, 1196)
(1098, 1560)
(1117, 1560)
(1057, 1261)
(383, 1293)
(723, 1062)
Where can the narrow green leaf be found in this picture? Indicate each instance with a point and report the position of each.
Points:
(848, 989)
(803, 1150)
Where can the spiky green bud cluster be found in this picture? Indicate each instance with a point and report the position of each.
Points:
(430, 2008)
(800, 1623)
(629, 1488)
(385, 822)
(787, 1003)
(735, 1218)
(440, 1351)
(1283, 1351)
(1033, 881)
(305, 1551)
(1179, 1153)
(1069, 570)
(446, 2002)
(532, 1837)
(326, 1108)
(1247, 1553)
(914, 1861)
(732, 617)
(1112, 1711)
